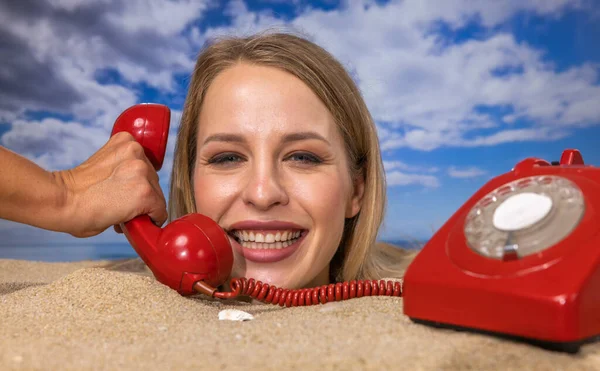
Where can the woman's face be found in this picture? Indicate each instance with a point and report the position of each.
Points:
(271, 169)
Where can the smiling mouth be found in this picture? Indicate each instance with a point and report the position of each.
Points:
(275, 239)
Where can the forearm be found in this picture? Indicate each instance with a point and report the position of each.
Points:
(30, 194)
(114, 185)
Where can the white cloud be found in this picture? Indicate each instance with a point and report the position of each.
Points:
(54, 144)
(516, 135)
(399, 173)
(412, 77)
(395, 164)
(399, 178)
(56, 51)
(168, 18)
(430, 140)
(72, 5)
(491, 13)
(470, 172)
(243, 23)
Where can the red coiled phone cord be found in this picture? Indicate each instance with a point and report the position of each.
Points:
(303, 297)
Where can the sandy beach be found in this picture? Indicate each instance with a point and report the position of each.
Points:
(113, 315)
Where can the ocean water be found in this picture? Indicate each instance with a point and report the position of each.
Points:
(68, 252)
(412, 245)
(108, 251)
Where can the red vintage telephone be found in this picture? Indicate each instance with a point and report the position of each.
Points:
(193, 254)
(520, 259)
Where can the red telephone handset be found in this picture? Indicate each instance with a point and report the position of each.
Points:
(190, 249)
(192, 254)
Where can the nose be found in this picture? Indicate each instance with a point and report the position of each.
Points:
(264, 188)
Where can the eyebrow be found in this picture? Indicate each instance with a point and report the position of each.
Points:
(293, 137)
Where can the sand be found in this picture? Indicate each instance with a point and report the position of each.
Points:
(105, 315)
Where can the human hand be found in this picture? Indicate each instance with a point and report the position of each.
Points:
(113, 186)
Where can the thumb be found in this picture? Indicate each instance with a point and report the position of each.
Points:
(159, 216)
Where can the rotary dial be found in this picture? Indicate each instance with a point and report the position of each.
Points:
(524, 217)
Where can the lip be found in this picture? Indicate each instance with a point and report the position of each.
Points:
(264, 225)
(266, 255)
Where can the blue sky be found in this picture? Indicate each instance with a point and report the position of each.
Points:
(460, 90)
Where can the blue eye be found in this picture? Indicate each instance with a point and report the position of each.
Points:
(305, 158)
(229, 159)
(225, 158)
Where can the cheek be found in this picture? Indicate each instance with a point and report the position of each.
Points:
(213, 195)
(324, 197)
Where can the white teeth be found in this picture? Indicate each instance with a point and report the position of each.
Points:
(258, 245)
(278, 236)
(257, 240)
(255, 245)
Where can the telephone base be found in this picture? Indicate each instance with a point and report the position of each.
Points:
(521, 257)
(571, 347)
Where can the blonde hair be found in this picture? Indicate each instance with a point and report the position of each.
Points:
(358, 256)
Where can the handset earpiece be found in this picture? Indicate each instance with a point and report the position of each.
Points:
(190, 249)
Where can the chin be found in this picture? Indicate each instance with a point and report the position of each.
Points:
(273, 279)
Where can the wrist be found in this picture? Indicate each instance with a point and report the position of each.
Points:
(66, 201)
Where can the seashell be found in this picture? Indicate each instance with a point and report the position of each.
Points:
(332, 306)
(234, 315)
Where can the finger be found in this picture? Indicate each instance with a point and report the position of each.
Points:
(152, 200)
(160, 215)
(118, 229)
(152, 173)
(137, 151)
(114, 144)
(159, 212)
(127, 149)
(116, 139)
(148, 198)
(120, 137)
